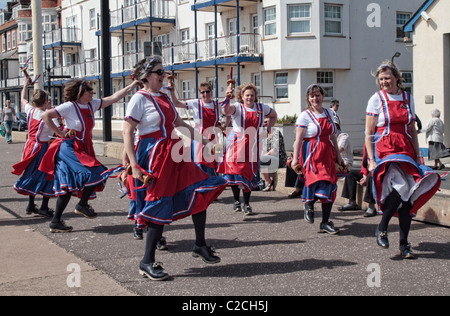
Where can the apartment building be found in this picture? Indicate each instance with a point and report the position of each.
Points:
(430, 30)
(280, 45)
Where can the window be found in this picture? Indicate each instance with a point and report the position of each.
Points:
(333, 19)
(257, 82)
(281, 85)
(299, 19)
(25, 32)
(408, 81)
(92, 19)
(14, 42)
(186, 89)
(270, 26)
(402, 19)
(49, 23)
(8, 40)
(326, 81)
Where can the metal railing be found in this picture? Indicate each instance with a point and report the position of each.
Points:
(227, 46)
(164, 9)
(68, 35)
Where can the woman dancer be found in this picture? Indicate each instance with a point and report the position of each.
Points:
(401, 184)
(178, 189)
(33, 181)
(316, 151)
(240, 165)
(206, 117)
(71, 158)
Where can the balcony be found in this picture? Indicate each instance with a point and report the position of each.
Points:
(162, 13)
(62, 37)
(222, 5)
(227, 47)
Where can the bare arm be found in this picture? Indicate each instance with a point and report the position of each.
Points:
(108, 101)
(300, 134)
(128, 139)
(413, 132)
(371, 124)
(48, 117)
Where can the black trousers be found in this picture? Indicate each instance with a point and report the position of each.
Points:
(351, 184)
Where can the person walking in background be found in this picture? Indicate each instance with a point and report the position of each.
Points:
(401, 184)
(8, 117)
(316, 150)
(240, 165)
(71, 157)
(435, 137)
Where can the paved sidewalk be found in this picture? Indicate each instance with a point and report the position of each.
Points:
(274, 252)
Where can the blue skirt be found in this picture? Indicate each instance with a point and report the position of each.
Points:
(33, 181)
(73, 176)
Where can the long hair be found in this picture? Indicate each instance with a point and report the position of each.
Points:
(313, 89)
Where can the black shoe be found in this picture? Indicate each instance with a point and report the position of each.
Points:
(248, 209)
(441, 167)
(32, 210)
(87, 211)
(46, 213)
(206, 253)
(138, 233)
(309, 214)
(60, 228)
(237, 207)
(153, 271)
(295, 194)
(328, 228)
(382, 239)
(405, 252)
(370, 212)
(349, 207)
(162, 244)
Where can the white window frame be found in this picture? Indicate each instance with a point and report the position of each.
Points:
(333, 19)
(270, 22)
(92, 18)
(282, 85)
(325, 78)
(298, 19)
(401, 25)
(186, 89)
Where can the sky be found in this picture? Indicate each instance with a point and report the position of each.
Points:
(3, 4)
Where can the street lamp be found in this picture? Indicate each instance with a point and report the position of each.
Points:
(396, 55)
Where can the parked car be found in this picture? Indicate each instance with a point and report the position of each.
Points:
(21, 123)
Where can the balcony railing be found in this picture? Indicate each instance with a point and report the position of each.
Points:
(67, 35)
(163, 9)
(227, 46)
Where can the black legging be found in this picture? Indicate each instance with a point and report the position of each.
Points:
(326, 210)
(155, 231)
(404, 218)
(63, 201)
(237, 194)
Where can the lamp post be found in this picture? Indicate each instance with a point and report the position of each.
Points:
(396, 55)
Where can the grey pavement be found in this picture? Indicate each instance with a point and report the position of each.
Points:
(273, 253)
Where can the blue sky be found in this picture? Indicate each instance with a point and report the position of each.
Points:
(3, 4)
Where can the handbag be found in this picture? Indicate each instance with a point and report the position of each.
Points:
(2, 131)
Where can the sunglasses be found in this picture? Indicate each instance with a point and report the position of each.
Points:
(159, 72)
(206, 91)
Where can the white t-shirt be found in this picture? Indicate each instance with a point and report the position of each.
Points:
(194, 105)
(46, 134)
(237, 117)
(375, 106)
(142, 111)
(305, 121)
(68, 112)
